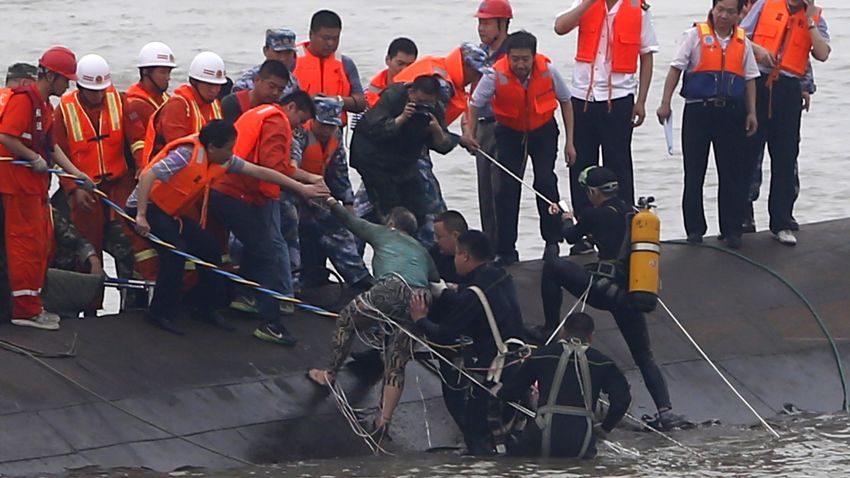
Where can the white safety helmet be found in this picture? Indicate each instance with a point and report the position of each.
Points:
(156, 54)
(208, 67)
(93, 73)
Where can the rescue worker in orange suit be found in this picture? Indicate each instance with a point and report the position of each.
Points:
(401, 53)
(456, 71)
(784, 59)
(494, 19)
(720, 111)
(271, 81)
(614, 38)
(90, 126)
(17, 76)
(192, 105)
(143, 99)
(524, 91)
(320, 72)
(250, 209)
(26, 134)
(176, 181)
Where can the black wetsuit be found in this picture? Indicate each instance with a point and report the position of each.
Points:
(459, 313)
(606, 226)
(568, 432)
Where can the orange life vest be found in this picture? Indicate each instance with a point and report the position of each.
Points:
(785, 35)
(720, 73)
(524, 108)
(178, 195)
(249, 127)
(321, 75)
(449, 69)
(199, 115)
(315, 157)
(15, 179)
(136, 92)
(5, 94)
(623, 42)
(377, 86)
(98, 152)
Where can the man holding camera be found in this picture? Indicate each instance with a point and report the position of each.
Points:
(388, 143)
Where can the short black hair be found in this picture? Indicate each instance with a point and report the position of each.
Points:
(303, 102)
(477, 244)
(427, 84)
(325, 19)
(273, 68)
(402, 45)
(521, 40)
(453, 221)
(217, 133)
(403, 220)
(579, 325)
(741, 3)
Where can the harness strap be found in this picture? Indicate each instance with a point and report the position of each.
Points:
(495, 372)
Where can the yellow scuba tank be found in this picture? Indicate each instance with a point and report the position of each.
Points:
(645, 258)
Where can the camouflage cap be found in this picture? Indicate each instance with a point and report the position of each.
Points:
(280, 39)
(21, 71)
(328, 110)
(474, 56)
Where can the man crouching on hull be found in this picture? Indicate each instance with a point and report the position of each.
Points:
(570, 375)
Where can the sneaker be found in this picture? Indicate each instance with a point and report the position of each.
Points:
(276, 334)
(581, 249)
(244, 304)
(552, 251)
(287, 308)
(696, 238)
(786, 237)
(44, 321)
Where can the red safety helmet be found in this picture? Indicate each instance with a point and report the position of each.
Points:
(494, 9)
(61, 60)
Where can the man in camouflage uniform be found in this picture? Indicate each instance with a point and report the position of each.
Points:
(280, 46)
(312, 233)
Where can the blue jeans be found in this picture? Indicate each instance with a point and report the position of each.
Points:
(265, 258)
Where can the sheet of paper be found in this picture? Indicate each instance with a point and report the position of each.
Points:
(668, 133)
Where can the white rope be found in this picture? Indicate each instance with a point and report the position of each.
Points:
(517, 178)
(581, 300)
(717, 370)
(424, 413)
(350, 416)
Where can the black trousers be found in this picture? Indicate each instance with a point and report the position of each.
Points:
(187, 235)
(513, 147)
(723, 128)
(596, 128)
(388, 190)
(781, 132)
(561, 273)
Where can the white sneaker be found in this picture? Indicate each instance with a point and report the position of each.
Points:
(786, 237)
(45, 321)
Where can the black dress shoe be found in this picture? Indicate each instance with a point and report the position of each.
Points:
(164, 324)
(695, 238)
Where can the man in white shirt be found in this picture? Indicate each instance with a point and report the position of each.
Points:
(615, 38)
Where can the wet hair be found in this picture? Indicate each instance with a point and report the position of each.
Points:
(521, 40)
(303, 102)
(402, 45)
(403, 220)
(217, 133)
(273, 68)
(426, 84)
(477, 244)
(579, 325)
(453, 221)
(325, 19)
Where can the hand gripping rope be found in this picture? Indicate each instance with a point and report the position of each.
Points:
(189, 257)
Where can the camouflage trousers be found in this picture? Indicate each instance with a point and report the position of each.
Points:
(390, 296)
(435, 205)
(314, 236)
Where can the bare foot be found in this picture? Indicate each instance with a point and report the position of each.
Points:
(321, 377)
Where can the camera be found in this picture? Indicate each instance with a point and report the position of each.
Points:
(423, 110)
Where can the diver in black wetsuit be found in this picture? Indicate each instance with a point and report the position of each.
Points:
(607, 226)
(564, 425)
